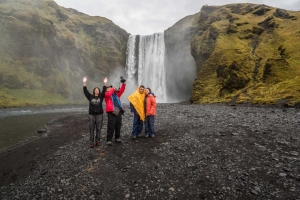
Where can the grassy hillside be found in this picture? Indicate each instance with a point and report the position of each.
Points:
(45, 50)
(247, 53)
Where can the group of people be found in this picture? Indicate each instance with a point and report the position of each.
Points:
(142, 105)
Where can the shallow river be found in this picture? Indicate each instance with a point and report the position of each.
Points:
(19, 125)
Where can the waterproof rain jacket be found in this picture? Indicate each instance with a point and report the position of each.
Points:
(108, 96)
(137, 101)
(150, 104)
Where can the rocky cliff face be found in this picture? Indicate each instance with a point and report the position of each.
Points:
(247, 53)
(45, 50)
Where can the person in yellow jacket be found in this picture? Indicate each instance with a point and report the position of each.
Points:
(137, 106)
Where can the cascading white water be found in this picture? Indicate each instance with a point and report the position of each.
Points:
(148, 68)
(130, 68)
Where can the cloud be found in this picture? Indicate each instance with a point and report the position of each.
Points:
(148, 17)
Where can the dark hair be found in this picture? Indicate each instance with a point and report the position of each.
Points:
(95, 89)
(149, 89)
(141, 86)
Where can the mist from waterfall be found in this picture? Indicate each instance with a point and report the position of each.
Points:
(145, 63)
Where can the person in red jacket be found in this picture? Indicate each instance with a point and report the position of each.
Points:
(150, 111)
(113, 104)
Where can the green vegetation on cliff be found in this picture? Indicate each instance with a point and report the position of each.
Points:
(247, 53)
(46, 49)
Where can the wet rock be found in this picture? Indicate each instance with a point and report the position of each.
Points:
(41, 131)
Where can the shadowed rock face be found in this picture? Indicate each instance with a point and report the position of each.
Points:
(47, 47)
(246, 53)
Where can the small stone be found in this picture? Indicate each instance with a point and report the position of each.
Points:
(235, 134)
(127, 196)
(171, 189)
(92, 197)
(254, 192)
(294, 153)
(161, 189)
(282, 174)
(41, 131)
(257, 189)
(292, 189)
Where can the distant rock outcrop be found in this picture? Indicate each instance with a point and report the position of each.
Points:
(46, 49)
(247, 53)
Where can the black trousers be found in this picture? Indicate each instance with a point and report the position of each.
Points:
(114, 126)
(96, 122)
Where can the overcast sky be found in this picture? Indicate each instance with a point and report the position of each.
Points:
(145, 17)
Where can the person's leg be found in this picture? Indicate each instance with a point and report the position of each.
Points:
(147, 131)
(91, 125)
(118, 126)
(135, 124)
(140, 127)
(151, 125)
(99, 123)
(110, 126)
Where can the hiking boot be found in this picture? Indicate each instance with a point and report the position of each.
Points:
(118, 140)
(152, 135)
(133, 137)
(109, 143)
(139, 136)
(98, 143)
(92, 144)
(146, 136)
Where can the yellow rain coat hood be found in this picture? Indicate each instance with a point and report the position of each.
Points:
(137, 100)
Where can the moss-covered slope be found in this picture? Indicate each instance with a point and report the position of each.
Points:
(46, 49)
(247, 53)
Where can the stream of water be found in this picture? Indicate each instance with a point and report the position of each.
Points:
(19, 125)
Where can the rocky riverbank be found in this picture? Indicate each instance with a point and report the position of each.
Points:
(200, 152)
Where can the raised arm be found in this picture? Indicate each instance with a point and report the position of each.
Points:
(85, 90)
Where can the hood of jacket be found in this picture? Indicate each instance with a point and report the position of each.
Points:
(137, 100)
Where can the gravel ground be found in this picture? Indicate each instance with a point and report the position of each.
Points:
(199, 152)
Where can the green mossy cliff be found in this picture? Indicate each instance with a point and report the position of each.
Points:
(45, 50)
(246, 53)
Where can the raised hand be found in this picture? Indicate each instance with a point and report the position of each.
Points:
(105, 80)
(84, 81)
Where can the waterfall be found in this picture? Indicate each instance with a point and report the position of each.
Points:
(130, 68)
(145, 64)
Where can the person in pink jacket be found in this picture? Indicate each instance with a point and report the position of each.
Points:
(150, 111)
(114, 110)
